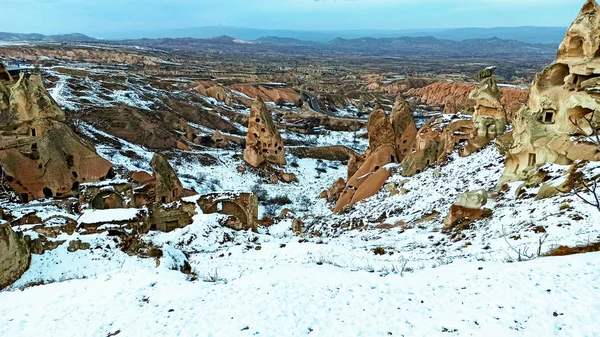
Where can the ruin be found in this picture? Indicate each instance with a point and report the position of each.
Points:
(263, 142)
(242, 207)
(41, 157)
(560, 122)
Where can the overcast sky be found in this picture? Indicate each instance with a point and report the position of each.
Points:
(97, 16)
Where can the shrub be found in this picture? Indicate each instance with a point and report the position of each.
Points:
(565, 250)
(379, 251)
(279, 200)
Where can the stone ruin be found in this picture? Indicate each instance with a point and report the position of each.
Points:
(389, 142)
(561, 120)
(41, 157)
(241, 207)
(263, 142)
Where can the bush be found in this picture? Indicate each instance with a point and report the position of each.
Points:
(379, 251)
(279, 200)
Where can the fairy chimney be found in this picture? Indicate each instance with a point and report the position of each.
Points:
(168, 188)
(489, 117)
(263, 142)
(562, 116)
(40, 156)
(404, 127)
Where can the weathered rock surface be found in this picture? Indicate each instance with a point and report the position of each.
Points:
(389, 141)
(435, 140)
(472, 199)
(489, 116)
(40, 155)
(563, 114)
(15, 255)
(263, 142)
(167, 187)
(455, 96)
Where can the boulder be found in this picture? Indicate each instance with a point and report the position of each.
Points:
(472, 199)
(76, 245)
(15, 255)
(461, 218)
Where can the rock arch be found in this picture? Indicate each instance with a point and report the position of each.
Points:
(229, 208)
(107, 200)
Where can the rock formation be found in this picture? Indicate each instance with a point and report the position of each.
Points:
(489, 116)
(467, 209)
(15, 256)
(561, 120)
(40, 155)
(5, 77)
(167, 187)
(389, 141)
(405, 129)
(263, 143)
(455, 96)
(435, 140)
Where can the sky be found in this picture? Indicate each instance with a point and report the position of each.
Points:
(95, 17)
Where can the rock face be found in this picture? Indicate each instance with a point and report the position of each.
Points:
(561, 119)
(40, 155)
(489, 116)
(404, 127)
(263, 143)
(435, 140)
(455, 96)
(15, 256)
(389, 141)
(5, 77)
(167, 186)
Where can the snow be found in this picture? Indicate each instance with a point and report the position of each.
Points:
(292, 299)
(102, 216)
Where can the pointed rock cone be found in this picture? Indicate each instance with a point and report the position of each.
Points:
(168, 187)
(263, 142)
(404, 126)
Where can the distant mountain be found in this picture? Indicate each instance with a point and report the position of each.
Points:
(75, 37)
(549, 35)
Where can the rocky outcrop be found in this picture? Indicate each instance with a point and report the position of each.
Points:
(489, 116)
(263, 142)
(268, 94)
(167, 187)
(40, 155)
(435, 140)
(5, 77)
(93, 55)
(15, 255)
(389, 142)
(467, 209)
(455, 96)
(562, 116)
(404, 127)
(334, 192)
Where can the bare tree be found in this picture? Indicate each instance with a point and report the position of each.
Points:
(591, 188)
(585, 119)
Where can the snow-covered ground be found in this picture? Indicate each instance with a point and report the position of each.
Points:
(327, 281)
(279, 293)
